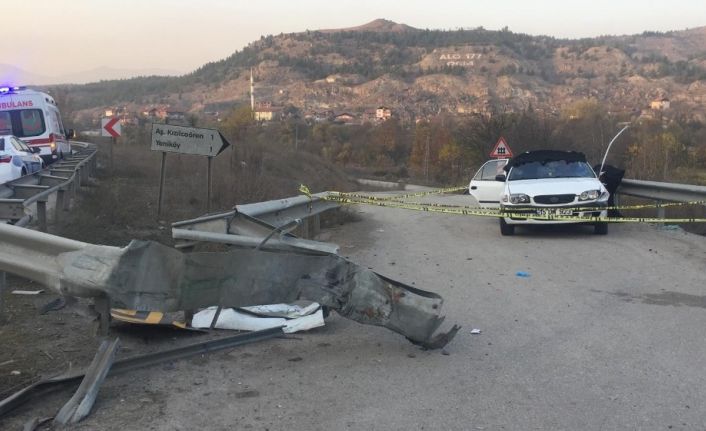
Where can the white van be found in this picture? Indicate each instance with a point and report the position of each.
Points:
(34, 117)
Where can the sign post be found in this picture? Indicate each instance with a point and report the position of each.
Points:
(168, 138)
(210, 183)
(110, 127)
(162, 172)
(501, 150)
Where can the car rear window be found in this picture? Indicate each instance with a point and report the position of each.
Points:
(22, 122)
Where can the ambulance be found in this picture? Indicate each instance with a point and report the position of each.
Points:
(34, 117)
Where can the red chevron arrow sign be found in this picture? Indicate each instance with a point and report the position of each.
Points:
(110, 127)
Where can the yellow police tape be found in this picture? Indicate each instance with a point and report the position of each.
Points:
(397, 201)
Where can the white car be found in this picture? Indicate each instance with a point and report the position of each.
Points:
(484, 188)
(551, 183)
(17, 159)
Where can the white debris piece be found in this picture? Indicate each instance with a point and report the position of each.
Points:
(290, 311)
(238, 320)
(475, 331)
(27, 292)
(305, 323)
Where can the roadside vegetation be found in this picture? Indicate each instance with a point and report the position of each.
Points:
(447, 150)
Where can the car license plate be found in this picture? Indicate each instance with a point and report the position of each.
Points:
(546, 212)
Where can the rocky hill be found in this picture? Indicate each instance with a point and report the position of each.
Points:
(420, 72)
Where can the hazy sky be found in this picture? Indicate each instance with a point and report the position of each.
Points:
(53, 37)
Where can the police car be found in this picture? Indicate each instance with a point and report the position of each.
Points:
(34, 117)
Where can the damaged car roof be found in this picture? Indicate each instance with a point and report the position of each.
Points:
(544, 156)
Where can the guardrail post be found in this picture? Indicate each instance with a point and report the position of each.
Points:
(304, 229)
(3, 282)
(84, 174)
(314, 226)
(102, 306)
(42, 215)
(660, 211)
(60, 205)
(75, 186)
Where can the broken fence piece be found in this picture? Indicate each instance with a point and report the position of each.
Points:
(147, 275)
(80, 405)
(35, 423)
(146, 318)
(289, 311)
(238, 320)
(129, 364)
(53, 305)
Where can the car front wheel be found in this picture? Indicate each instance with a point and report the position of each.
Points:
(506, 229)
(600, 228)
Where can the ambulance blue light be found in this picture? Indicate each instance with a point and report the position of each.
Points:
(8, 89)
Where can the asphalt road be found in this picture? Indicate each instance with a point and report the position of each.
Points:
(606, 333)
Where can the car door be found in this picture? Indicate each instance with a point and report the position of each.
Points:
(484, 188)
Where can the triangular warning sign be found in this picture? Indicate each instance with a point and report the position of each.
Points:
(502, 150)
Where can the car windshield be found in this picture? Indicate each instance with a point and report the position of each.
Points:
(551, 169)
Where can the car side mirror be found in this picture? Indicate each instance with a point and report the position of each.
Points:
(500, 177)
(71, 134)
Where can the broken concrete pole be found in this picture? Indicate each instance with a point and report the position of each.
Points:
(150, 276)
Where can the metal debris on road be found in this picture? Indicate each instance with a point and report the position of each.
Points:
(237, 320)
(147, 318)
(27, 292)
(35, 423)
(54, 305)
(80, 405)
(123, 365)
(147, 275)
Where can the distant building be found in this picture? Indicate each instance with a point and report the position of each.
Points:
(660, 104)
(265, 111)
(370, 115)
(344, 117)
(383, 113)
(176, 115)
(319, 116)
(129, 120)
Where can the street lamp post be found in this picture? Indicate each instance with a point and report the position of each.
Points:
(605, 156)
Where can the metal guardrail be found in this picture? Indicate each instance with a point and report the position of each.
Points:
(250, 224)
(662, 192)
(667, 192)
(63, 176)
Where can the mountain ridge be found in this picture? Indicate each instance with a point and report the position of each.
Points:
(418, 73)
